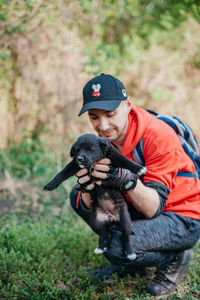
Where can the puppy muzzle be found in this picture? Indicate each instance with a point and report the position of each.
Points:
(83, 162)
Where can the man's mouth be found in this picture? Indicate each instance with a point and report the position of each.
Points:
(107, 133)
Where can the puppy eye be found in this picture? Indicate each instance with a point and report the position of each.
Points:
(91, 149)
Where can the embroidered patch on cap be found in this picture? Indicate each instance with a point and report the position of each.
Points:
(124, 92)
(96, 88)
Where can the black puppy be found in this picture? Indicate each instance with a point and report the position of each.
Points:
(109, 211)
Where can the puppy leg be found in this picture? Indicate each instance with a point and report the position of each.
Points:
(68, 171)
(126, 230)
(119, 160)
(100, 226)
(104, 239)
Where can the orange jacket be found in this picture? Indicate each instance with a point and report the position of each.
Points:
(164, 158)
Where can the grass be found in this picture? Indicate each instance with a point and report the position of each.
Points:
(47, 252)
(44, 259)
(49, 258)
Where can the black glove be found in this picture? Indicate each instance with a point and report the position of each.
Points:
(120, 179)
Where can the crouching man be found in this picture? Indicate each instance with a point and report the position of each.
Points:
(164, 204)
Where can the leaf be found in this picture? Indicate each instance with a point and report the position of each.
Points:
(3, 17)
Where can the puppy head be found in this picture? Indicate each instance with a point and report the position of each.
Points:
(88, 149)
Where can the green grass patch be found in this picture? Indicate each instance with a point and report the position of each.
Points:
(50, 258)
(47, 258)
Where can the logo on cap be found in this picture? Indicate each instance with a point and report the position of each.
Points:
(124, 92)
(96, 88)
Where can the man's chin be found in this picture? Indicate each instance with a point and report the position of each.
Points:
(111, 138)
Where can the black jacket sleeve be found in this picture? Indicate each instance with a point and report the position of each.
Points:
(163, 192)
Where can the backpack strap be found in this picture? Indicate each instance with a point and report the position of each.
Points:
(186, 174)
(137, 153)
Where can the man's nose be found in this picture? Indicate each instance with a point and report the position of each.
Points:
(103, 124)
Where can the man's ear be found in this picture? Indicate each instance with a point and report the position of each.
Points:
(129, 103)
(105, 146)
(73, 150)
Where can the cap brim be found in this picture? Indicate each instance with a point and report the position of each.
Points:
(103, 105)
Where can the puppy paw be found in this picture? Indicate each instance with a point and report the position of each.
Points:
(100, 250)
(50, 187)
(131, 256)
(142, 171)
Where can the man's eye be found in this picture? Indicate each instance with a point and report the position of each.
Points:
(110, 115)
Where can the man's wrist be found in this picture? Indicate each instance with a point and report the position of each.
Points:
(86, 199)
(128, 180)
(130, 185)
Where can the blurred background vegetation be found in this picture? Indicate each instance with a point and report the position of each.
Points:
(48, 51)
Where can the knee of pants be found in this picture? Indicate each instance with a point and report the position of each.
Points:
(115, 255)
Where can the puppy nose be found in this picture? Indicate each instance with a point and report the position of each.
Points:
(80, 159)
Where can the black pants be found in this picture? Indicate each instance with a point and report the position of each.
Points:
(155, 241)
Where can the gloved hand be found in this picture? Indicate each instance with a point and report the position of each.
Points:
(120, 179)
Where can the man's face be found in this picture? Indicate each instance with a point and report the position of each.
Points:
(111, 124)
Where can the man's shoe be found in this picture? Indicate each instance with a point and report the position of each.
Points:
(108, 270)
(169, 276)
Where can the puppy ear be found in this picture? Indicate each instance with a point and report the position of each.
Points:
(105, 145)
(73, 150)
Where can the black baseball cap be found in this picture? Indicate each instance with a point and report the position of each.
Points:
(103, 92)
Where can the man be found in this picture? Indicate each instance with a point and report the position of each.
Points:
(164, 206)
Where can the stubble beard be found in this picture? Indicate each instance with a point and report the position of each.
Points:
(115, 137)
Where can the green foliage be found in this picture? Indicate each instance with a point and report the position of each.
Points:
(109, 27)
(51, 257)
(118, 19)
(29, 166)
(16, 29)
(111, 30)
(36, 257)
(15, 14)
(5, 55)
(29, 159)
(120, 24)
(3, 17)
